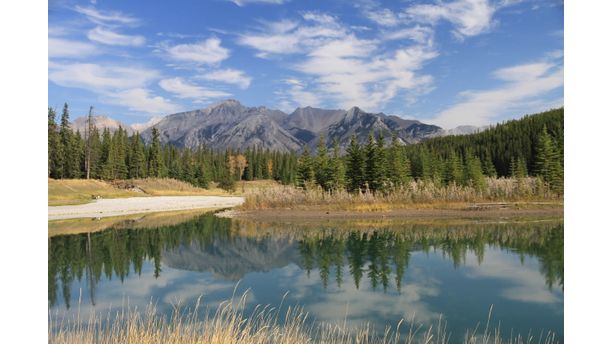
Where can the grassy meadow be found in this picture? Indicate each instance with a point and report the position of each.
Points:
(416, 194)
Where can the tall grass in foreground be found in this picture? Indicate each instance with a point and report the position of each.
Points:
(230, 324)
(415, 192)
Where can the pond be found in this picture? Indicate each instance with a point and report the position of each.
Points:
(339, 272)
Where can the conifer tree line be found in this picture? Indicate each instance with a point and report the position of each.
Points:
(117, 155)
(531, 146)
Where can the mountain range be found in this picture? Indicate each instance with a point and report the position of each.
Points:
(229, 124)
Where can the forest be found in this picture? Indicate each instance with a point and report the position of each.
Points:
(530, 146)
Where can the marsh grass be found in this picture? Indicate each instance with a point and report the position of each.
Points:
(414, 194)
(265, 324)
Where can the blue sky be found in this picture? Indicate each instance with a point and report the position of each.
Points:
(449, 63)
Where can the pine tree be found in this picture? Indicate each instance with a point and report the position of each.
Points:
(398, 167)
(70, 159)
(473, 172)
(305, 172)
(452, 169)
(374, 169)
(154, 161)
(322, 165)
(487, 165)
(137, 166)
(119, 146)
(548, 162)
(55, 152)
(355, 179)
(105, 161)
(337, 170)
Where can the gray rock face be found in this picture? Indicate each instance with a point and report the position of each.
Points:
(360, 123)
(229, 124)
(233, 260)
(80, 124)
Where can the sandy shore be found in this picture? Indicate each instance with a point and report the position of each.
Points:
(137, 205)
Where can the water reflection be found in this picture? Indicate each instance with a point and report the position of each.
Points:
(378, 256)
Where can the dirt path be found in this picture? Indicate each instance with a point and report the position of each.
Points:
(136, 205)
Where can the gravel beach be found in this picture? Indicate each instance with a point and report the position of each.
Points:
(136, 205)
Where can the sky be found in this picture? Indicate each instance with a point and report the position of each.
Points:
(449, 63)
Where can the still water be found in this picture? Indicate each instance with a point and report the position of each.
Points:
(353, 272)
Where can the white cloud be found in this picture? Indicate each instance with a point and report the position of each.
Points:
(288, 37)
(348, 72)
(247, 2)
(140, 100)
(66, 48)
(523, 84)
(228, 76)
(419, 34)
(106, 36)
(385, 17)
(299, 96)
(95, 77)
(117, 85)
(469, 17)
(208, 51)
(106, 17)
(184, 89)
(341, 67)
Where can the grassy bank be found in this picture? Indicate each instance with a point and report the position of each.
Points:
(80, 191)
(422, 194)
(231, 324)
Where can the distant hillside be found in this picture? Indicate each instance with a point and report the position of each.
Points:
(230, 124)
(102, 122)
(503, 142)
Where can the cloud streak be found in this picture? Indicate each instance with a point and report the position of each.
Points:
(521, 85)
(186, 90)
(208, 51)
(109, 37)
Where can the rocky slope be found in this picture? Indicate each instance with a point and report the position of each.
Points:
(229, 124)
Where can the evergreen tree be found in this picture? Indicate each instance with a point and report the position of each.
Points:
(548, 162)
(337, 169)
(374, 164)
(355, 179)
(452, 169)
(105, 161)
(487, 165)
(322, 166)
(154, 161)
(55, 152)
(119, 145)
(70, 158)
(398, 166)
(305, 172)
(473, 172)
(137, 166)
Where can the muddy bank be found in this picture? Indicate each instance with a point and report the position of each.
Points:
(473, 211)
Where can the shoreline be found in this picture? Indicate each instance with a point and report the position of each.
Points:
(138, 205)
(499, 211)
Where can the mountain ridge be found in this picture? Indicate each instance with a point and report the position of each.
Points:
(230, 124)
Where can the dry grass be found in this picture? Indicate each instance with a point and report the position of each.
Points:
(230, 324)
(173, 187)
(79, 191)
(415, 194)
